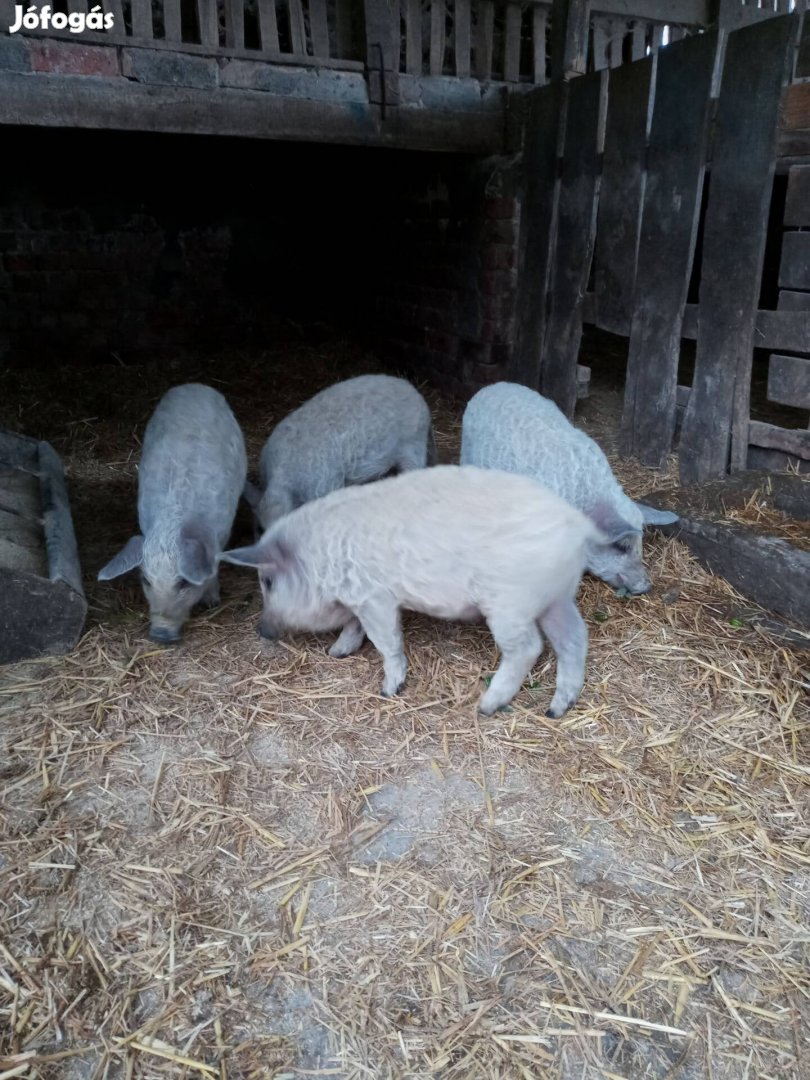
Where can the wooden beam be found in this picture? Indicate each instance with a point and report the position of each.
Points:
(382, 50)
(715, 427)
(797, 203)
(794, 441)
(789, 380)
(794, 269)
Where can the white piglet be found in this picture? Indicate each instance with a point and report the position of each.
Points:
(191, 474)
(350, 433)
(452, 542)
(510, 427)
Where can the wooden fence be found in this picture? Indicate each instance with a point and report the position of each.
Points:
(637, 143)
(492, 40)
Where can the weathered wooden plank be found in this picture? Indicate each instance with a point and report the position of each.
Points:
(298, 36)
(235, 24)
(789, 380)
(573, 248)
(803, 55)
(618, 31)
(382, 50)
(793, 301)
(142, 19)
(412, 13)
(318, 28)
(638, 49)
(463, 38)
(769, 570)
(715, 427)
(683, 12)
(600, 38)
(268, 23)
(570, 30)
(789, 330)
(116, 9)
(172, 26)
(511, 46)
(789, 440)
(438, 15)
(543, 118)
(797, 202)
(539, 47)
(485, 39)
(794, 271)
(671, 206)
(620, 194)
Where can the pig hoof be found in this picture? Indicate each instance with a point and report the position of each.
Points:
(393, 693)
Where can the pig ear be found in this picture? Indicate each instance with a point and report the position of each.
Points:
(657, 517)
(611, 523)
(197, 561)
(269, 554)
(130, 556)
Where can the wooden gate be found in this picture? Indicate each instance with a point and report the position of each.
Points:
(654, 155)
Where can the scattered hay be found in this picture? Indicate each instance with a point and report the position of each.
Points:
(757, 514)
(237, 860)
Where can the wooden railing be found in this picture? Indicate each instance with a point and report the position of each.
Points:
(505, 41)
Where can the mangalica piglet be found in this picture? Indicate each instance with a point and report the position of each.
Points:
(510, 427)
(350, 433)
(192, 472)
(452, 542)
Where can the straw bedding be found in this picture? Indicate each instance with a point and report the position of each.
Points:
(236, 860)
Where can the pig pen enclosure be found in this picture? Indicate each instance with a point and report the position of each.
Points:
(233, 859)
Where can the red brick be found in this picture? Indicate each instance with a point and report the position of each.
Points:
(65, 58)
(499, 257)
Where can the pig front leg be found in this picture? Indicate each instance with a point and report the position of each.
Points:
(351, 638)
(380, 619)
(565, 629)
(520, 644)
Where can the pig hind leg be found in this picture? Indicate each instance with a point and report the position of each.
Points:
(381, 622)
(520, 645)
(566, 631)
(351, 638)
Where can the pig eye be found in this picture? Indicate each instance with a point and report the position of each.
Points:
(182, 584)
(145, 581)
(621, 546)
(267, 582)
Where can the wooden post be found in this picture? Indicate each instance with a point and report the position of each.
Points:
(382, 52)
(570, 27)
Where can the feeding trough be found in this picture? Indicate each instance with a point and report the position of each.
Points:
(753, 529)
(42, 603)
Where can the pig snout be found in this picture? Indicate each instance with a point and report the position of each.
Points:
(269, 629)
(164, 634)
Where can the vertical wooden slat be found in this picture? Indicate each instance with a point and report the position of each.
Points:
(600, 44)
(172, 26)
(676, 33)
(539, 23)
(544, 114)
(344, 31)
(639, 46)
(437, 36)
(78, 6)
(511, 45)
(484, 39)
(319, 28)
(570, 31)
(413, 36)
(616, 34)
(756, 68)
(142, 20)
(462, 38)
(657, 37)
(620, 194)
(235, 24)
(298, 37)
(116, 9)
(675, 165)
(268, 24)
(573, 245)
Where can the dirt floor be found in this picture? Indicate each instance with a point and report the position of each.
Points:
(233, 859)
